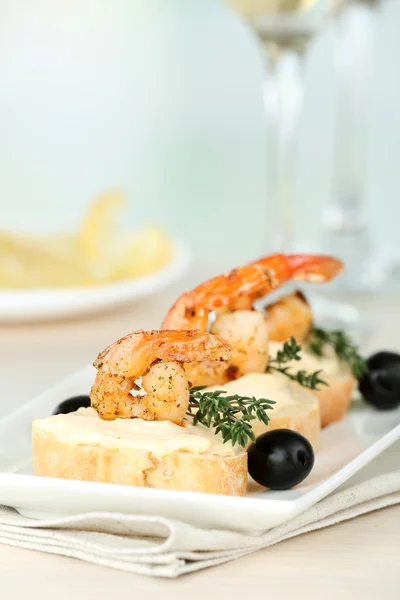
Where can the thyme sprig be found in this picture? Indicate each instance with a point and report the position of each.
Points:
(343, 346)
(229, 415)
(291, 352)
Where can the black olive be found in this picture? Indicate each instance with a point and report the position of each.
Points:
(71, 405)
(280, 459)
(380, 387)
(384, 359)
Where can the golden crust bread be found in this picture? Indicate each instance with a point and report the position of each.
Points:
(335, 398)
(179, 470)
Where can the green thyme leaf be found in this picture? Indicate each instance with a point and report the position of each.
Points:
(230, 415)
(291, 352)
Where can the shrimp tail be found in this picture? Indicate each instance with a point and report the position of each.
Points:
(303, 267)
(315, 267)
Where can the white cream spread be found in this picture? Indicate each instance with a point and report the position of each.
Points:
(273, 386)
(158, 437)
(329, 363)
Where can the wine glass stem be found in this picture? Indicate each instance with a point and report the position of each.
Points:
(346, 232)
(283, 96)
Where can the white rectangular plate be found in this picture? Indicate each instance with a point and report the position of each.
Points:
(346, 447)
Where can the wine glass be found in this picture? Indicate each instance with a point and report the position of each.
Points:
(345, 227)
(284, 29)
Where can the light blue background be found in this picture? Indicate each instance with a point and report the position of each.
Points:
(163, 98)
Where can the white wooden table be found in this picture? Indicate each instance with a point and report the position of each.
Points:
(357, 559)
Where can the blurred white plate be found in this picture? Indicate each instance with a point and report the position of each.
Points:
(345, 448)
(52, 303)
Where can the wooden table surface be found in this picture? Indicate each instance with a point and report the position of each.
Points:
(352, 560)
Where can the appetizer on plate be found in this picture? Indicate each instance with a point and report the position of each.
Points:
(143, 440)
(184, 408)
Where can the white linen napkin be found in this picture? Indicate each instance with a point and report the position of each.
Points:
(166, 548)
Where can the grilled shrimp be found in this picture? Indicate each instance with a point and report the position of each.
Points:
(231, 297)
(155, 357)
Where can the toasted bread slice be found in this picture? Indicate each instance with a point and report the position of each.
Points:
(296, 407)
(156, 454)
(334, 398)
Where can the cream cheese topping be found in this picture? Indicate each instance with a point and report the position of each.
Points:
(273, 386)
(329, 363)
(158, 437)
